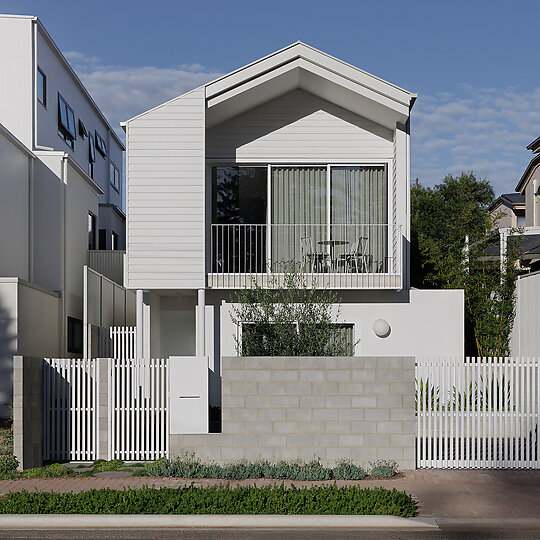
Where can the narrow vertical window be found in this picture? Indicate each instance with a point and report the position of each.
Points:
(91, 231)
(114, 176)
(114, 240)
(42, 87)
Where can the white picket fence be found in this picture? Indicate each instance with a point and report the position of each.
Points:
(70, 407)
(117, 342)
(138, 409)
(478, 413)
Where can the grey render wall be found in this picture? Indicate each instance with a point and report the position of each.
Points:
(332, 408)
(28, 411)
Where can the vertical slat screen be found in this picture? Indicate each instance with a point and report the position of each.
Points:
(477, 412)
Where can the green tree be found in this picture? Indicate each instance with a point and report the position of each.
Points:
(290, 317)
(451, 228)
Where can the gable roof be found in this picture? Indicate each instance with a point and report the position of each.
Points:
(508, 199)
(535, 161)
(301, 66)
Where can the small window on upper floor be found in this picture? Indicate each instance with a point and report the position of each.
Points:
(66, 122)
(114, 176)
(82, 129)
(100, 145)
(42, 87)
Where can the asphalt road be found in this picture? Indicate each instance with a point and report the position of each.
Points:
(266, 534)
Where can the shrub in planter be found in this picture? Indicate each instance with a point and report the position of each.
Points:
(383, 469)
(347, 470)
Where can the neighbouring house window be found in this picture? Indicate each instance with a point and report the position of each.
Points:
(91, 231)
(74, 335)
(66, 122)
(42, 87)
(114, 241)
(239, 198)
(114, 176)
(102, 238)
(91, 155)
(100, 144)
(82, 129)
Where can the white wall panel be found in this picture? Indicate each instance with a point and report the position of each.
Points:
(165, 195)
(298, 127)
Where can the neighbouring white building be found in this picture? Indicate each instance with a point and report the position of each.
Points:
(298, 157)
(60, 196)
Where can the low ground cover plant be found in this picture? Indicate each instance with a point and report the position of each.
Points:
(383, 469)
(193, 467)
(215, 500)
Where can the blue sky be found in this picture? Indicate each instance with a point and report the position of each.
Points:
(473, 64)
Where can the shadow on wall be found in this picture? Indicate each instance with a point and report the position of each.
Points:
(8, 348)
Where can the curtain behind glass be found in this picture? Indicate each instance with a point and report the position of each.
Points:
(298, 201)
(359, 197)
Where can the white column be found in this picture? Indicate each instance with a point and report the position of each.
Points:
(139, 320)
(200, 323)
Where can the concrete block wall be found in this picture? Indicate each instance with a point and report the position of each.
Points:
(299, 408)
(28, 411)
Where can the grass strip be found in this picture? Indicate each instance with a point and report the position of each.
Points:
(316, 500)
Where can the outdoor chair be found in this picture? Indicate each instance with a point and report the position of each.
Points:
(358, 259)
(312, 260)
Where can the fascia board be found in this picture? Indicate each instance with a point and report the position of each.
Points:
(527, 174)
(400, 107)
(252, 83)
(302, 51)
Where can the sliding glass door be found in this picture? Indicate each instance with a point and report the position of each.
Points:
(359, 215)
(299, 215)
(319, 218)
(239, 205)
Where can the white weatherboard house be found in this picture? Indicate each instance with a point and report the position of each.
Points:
(296, 157)
(60, 196)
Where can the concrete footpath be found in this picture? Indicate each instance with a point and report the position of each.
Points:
(440, 494)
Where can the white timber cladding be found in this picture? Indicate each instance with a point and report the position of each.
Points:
(298, 127)
(165, 195)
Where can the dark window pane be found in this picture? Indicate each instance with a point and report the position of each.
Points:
(240, 195)
(42, 87)
(91, 231)
(92, 149)
(75, 335)
(102, 238)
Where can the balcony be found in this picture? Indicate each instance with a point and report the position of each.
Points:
(108, 262)
(331, 256)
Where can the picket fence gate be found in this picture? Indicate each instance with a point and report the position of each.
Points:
(70, 408)
(136, 409)
(477, 413)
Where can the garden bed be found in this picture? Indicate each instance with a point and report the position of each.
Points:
(276, 500)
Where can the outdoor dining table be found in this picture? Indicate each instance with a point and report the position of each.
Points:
(333, 244)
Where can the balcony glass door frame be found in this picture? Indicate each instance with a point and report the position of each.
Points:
(379, 163)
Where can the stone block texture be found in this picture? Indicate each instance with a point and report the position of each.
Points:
(299, 408)
(28, 411)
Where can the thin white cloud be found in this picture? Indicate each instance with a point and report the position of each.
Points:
(484, 130)
(123, 92)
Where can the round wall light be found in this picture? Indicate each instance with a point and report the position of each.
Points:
(381, 328)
